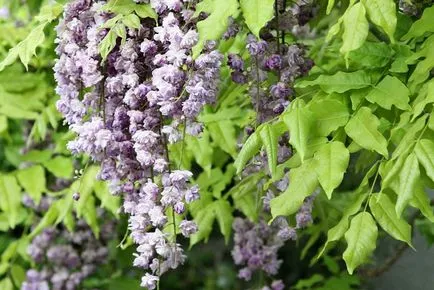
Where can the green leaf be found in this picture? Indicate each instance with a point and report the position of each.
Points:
(90, 215)
(329, 115)
(257, 13)
(338, 231)
(124, 7)
(26, 49)
(356, 28)
(204, 220)
(10, 197)
(330, 5)
(32, 179)
(408, 177)
(47, 220)
(422, 202)
(131, 21)
(50, 12)
(246, 196)
(425, 154)
(334, 30)
(202, 150)
(270, 139)
(146, 11)
(37, 156)
(299, 121)
(18, 274)
(384, 213)
(6, 284)
(340, 82)
(223, 213)
(60, 166)
(362, 128)
(213, 27)
(389, 171)
(250, 148)
(382, 13)
(361, 238)
(108, 201)
(330, 163)
(390, 91)
(426, 96)
(371, 55)
(303, 183)
(224, 135)
(422, 25)
(405, 142)
(3, 123)
(84, 186)
(107, 44)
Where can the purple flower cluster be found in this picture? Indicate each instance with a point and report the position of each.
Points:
(304, 214)
(126, 110)
(256, 246)
(65, 259)
(286, 62)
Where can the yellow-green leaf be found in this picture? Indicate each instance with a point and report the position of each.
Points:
(363, 129)
(330, 163)
(382, 13)
(408, 177)
(384, 213)
(361, 238)
(356, 28)
(257, 13)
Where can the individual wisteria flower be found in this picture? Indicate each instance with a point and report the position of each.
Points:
(127, 109)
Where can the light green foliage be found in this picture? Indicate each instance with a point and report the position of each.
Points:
(425, 154)
(384, 213)
(32, 179)
(371, 55)
(361, 238)
(408, 177)
(363, 129)
(338, 231)
(257, 13)
(340, 82)
(356, 29)
(269, 139)
(383, 14)
(390, 91)
(330, 163)
(299, 121)
(26, 49)
(329, 115)
(213, 27)
(304, 181)
(10, 196)
(125, 18)
(422, 25)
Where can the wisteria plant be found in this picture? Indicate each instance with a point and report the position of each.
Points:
(304, 128)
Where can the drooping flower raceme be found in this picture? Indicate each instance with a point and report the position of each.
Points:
(125, 110)
(63, 258)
